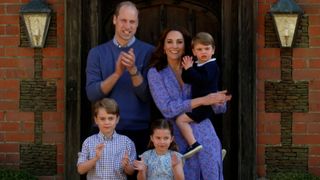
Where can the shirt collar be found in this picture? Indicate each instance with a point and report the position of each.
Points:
(105, 138)
(130, 42)
(201, 64)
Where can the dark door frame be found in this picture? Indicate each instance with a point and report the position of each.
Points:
(239, 74)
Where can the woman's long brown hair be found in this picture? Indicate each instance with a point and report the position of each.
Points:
(159, 58)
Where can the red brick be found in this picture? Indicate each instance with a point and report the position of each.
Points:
(28, 127)
(261, 170)
(60, 169)
(314, 96)
(10, 1)
(2, 51)
(268, 52)
(9, 126)
(299, 63)
(53, 52)
(60, 159)
(9, 105)
(19, 137)
(272, 128)
(314, 43)
(314, 30)
(269, 74)
(52, 73)
(53, 63)
(269, 64)
(13, 158)
(314, 107)
(299, 128)
(306, 117)
(306, 139)
(20, 116)
(314, 150)
(314, 84)
(17, 73)
(268, 139)
(1, 116)
(303, 53)
(2, 30)
(10, 62)
(2, 9)
(263, 8)
(53, 127)
(60, 147)
(2, 159)
(260, 154)
(9, 19)
(314, 63)
(9, 94)
(9, 41)
(306, 74)
(60, 11)
(60, 106)
(13, 9)
(9, 148)
(22, 52)
(314, 170)
(53, 137)
(314, 20)
(314, 161)
(60, 89)
(52, 116)
(308, 10)
(12, 29)
(10, 84)
(313, 128)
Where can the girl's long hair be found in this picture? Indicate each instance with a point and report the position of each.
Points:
(162, 124)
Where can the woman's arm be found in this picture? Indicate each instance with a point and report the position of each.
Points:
(168, 97)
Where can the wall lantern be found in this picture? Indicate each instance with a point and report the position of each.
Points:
(286, 14)
(36, 16)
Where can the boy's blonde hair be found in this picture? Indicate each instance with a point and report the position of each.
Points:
(109, 105)
(202, 38)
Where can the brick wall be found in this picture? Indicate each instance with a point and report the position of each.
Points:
(288, 94)
(32, 94)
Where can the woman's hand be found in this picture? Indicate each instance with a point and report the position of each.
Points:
(217, 98)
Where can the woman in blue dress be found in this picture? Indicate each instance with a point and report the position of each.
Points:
(173, 98)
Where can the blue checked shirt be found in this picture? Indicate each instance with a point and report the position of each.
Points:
(108, 167)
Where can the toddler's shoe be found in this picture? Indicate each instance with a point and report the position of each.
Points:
(194, 148)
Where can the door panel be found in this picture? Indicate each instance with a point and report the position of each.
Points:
(154, 16)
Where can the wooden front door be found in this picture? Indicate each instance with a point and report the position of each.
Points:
(89, 23)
